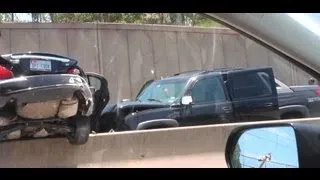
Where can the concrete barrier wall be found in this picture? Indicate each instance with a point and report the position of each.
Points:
(202, 146)
(128, 55)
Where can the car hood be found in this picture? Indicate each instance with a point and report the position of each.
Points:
(287, 34)
(130, 104)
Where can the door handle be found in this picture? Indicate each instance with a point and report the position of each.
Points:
(268, 104)
(226, 108)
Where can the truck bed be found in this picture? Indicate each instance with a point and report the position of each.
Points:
(291, 98)
(301, 95)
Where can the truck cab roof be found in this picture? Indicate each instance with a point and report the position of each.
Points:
(219, 71)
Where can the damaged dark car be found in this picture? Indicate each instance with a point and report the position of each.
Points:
(43, 94)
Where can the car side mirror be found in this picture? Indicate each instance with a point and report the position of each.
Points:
(263, 147)
(186, 100)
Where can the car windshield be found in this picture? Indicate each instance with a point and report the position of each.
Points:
(311, 21)
(164, 91)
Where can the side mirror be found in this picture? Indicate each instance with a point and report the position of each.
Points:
(263, 147)
(186, 100)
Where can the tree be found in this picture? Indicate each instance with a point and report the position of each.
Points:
(52, 17)
(185, 19)
(7, 17)
(35, 17)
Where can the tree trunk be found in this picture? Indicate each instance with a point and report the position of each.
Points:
(161, 18)
(183, 20)
(101, 19)
(172, 18)
(106, 17)
(52, 17)
(179, 19)
(35, 17)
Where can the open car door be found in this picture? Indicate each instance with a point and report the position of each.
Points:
(101, 97)
(146, 84)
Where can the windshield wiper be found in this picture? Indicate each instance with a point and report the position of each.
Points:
(154, 100)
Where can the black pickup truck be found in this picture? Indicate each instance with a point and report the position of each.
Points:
(211, 97)
(197, 98)
(298, 101)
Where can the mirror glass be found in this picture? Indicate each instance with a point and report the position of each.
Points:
(186, 100)
(271, 147)
(95, 82)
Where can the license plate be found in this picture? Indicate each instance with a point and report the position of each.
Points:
(39, 65)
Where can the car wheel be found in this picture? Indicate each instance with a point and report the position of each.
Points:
(80, 131)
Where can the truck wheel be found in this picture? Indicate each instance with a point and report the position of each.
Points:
(225, 121)
(292, 115)
(81, 130)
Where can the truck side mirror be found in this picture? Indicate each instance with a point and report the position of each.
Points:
(186, 100)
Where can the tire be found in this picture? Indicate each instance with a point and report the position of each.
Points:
(292, 115)
(224, 121)
(81, 130)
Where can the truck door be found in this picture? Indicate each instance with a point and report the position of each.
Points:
(210, 103)
(100, 92)
(254, 94)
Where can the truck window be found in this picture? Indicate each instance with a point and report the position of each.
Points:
(165, 91)
(255, 84)
(266, 80)
(208, 90)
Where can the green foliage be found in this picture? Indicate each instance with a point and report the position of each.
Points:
(7, 17)
(186, 19)
(207, 23)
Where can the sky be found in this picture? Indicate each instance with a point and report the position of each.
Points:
(309, 20)
(279, 141)
(24, 16)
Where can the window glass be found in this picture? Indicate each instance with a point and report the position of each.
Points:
(208, 90)
(251, 85)
(165, 91)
